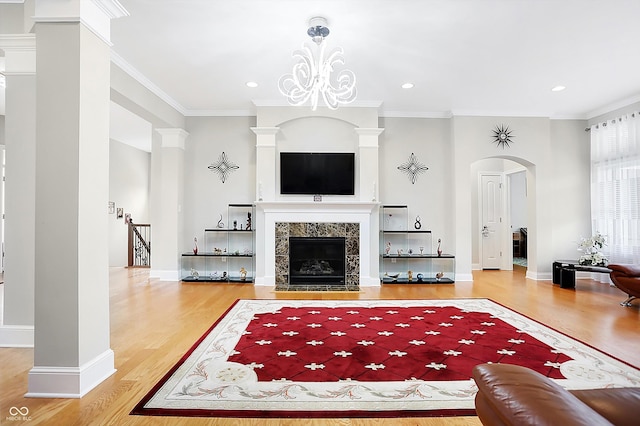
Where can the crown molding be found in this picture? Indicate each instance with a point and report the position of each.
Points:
(140, 78)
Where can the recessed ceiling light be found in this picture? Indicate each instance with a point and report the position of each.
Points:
(407, 85)
(558, 88)
(252, 84)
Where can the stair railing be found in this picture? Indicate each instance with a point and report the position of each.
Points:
(139, 244)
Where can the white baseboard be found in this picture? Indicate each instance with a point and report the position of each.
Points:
(369, 282)
(265, 281)
(16, 336)
(70, 382)
(464, 277)
(164, 275)
(538, 276)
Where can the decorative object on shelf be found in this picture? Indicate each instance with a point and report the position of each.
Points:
(224, 275)
(410, 275)
(439, 250)
(413, 167)
(312, 78)
(419, 277)
(223, 167)
(195, 245)
(439, 276)
(410, 251)
(417, 224)
(421, 250)
(220, 222)
(394, 277)
(502, 136)
(399, 252)
(195, 273)
(243, 274)
(591, 247)
(235, 225)
(387, 248)
(249, 221)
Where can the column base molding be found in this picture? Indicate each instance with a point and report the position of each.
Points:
(16, 336)
(164, 275)
(70, 382)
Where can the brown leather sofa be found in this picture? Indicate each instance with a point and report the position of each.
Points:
(514, 395)
(626, 278)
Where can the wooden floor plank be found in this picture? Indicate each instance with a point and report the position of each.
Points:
(153, 323)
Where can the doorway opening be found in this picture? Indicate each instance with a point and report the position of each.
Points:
(501, 214)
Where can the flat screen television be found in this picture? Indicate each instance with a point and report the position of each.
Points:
(317, 173)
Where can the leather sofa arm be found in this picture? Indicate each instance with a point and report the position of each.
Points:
(514, 395)
(627, 269)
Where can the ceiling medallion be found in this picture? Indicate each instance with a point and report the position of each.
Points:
(502, 136)
(223, 167)
(313, 78)
(413, 168)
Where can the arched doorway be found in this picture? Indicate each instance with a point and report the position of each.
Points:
(502, 212)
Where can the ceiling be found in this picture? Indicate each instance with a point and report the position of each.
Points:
(464, 57)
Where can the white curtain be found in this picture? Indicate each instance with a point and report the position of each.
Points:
(615, 187)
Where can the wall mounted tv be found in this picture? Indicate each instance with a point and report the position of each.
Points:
(317, 173)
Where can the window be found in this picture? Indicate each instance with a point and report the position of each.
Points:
(615, 186)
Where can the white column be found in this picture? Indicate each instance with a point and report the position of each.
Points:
(20, 134)
(265, 189)
(72, 351)
(369, 177)
(266, 162)
(167, 193)
(368, 162)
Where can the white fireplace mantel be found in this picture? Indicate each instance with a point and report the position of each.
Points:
(268, 213)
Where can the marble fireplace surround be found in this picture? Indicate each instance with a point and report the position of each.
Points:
(307, 218)
(349, 231)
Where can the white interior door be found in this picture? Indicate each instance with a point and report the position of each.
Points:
(491, 220)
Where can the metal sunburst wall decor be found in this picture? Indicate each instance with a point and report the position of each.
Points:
(223, 167)
(413, 168)
(502, 136)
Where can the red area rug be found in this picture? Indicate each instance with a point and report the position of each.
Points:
(383, 358)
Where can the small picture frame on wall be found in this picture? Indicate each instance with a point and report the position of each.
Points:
(120, 213)
(112, 207)
(127, 218)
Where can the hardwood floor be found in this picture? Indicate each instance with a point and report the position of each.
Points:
(153, 323)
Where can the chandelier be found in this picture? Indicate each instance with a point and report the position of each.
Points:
(313, 76)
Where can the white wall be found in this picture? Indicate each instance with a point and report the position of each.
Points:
(556, 152)
(205, 196)
(518, 200)
(129, 171)
(430, 196)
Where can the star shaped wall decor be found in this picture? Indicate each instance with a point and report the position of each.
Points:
(223, 167)
(502, 136)
(413, 167)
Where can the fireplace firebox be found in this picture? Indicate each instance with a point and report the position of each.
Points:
(316, 260)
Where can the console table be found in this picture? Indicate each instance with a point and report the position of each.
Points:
(564, 272)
